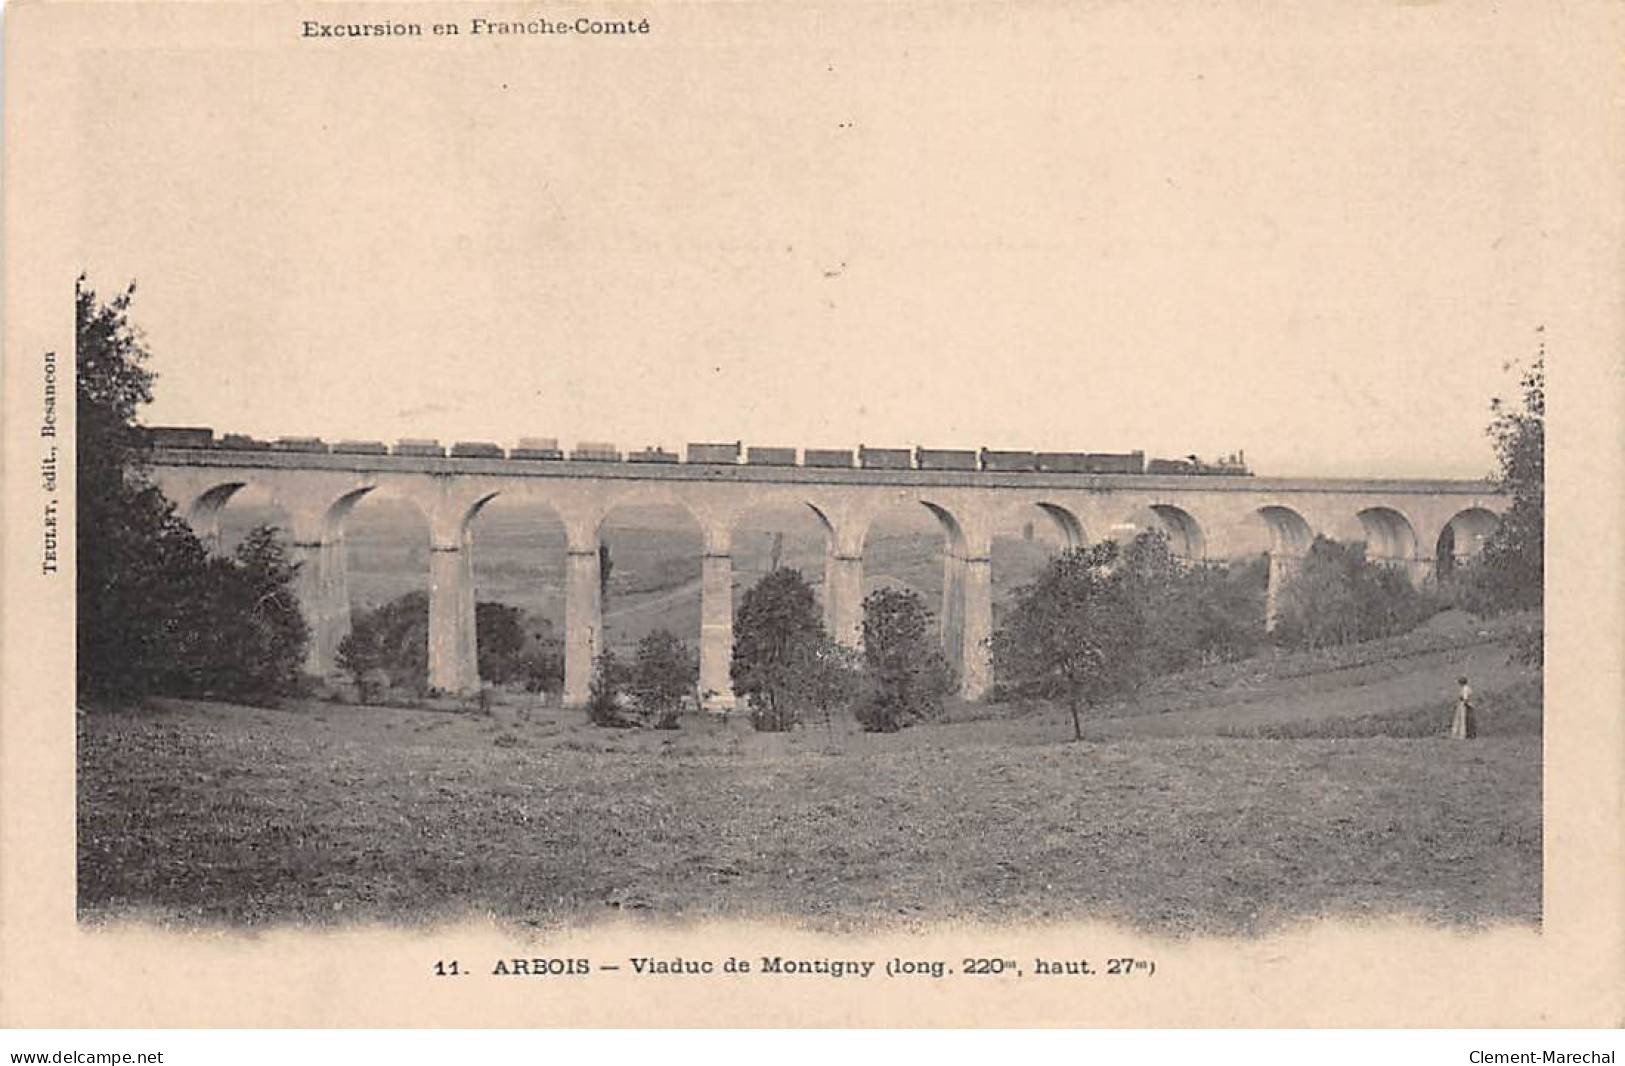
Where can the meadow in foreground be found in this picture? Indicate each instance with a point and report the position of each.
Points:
(214, 814)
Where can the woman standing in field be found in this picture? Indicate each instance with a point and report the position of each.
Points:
(1464, 726)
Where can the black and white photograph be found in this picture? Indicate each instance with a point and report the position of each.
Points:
(752, 495)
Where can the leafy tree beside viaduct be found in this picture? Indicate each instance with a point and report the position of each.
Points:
(157, 615)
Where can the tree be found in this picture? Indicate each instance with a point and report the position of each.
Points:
(1510, 572)
(361, 655)
(1218, 618)
(664, 671)
(111, 385)
(1161, 588)
(499, 634)
(906, 674)
(156, 614)
(1337, 596)
(541, 661)
(142, 599)
(138, 564)
(1193, 612)
(257, 632)
(1075, 635)
(776, 631)
(1317, 602)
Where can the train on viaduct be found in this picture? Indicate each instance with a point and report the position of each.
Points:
(1208, 511)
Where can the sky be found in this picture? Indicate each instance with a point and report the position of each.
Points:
(1041, 226)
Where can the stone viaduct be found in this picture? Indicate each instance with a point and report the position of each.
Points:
(1402, 522)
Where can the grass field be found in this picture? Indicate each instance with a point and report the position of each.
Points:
(1267, 793)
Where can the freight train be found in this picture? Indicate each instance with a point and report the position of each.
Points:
(729, 454)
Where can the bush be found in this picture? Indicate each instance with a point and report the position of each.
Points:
(604, 692)
(1224, 620)
(774, 716)
(1529, 645)
(1193, 613)
(821, 675)
(514, 648)
(361, 656)
(827, 675)
(906, 675)
(541, 661)
(665, 672)
(393, 638)
(1339, 597)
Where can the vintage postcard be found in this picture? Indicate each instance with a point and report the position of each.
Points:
(867, 514)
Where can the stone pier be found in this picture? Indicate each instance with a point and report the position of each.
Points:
(716, 627)
(583, 621)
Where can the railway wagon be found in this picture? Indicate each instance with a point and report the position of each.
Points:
(360, 447)
(714, 453)
(1115, 462)
(1171, 466)
(477, 449)
(827, 457)
(180, 436)
(770, 456)
(537, 448)
(884, 458)
(944, 459)
(300, 444)
(1062, 462)
(595, 451)
(653, 454)
(238, 442)
(419, 446)
(1007, 460)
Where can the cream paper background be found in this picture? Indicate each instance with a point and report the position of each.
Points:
(1569, 973)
